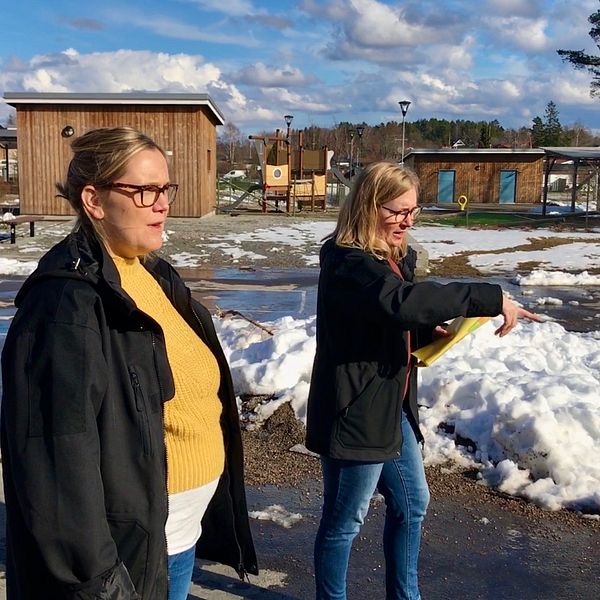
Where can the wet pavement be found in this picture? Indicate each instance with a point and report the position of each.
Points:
(269, 294)
(265, 295)
(470, 549)
(480, 551)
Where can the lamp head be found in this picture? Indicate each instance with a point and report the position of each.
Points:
(404, 104)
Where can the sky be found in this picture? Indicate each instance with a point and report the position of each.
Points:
(521, 400)
(322, 61)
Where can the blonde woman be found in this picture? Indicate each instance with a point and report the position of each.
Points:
(362, 407)
(121, 448)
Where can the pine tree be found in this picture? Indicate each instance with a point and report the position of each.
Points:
(580, 60)
(552, 126)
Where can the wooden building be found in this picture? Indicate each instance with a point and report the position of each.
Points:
(184, 125)
(483, 176)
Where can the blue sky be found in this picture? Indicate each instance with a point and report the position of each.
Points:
(323, 61)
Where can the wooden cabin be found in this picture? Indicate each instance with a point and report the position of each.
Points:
(184, 125)
(499, 176)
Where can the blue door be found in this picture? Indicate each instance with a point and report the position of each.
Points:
(508, 186)
(445, 185)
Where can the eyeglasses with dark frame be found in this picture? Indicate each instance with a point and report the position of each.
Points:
(148, 194)
(401, 215)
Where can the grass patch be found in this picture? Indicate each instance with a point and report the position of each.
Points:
(493, 220)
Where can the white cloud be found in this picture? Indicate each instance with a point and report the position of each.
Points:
(297, 101)
(527, 34)
(167, 27)
(262, 75)
(228, 7)
(379, 25)
(129, 70)
(516, 8)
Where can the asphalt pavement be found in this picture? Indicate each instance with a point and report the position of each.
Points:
(471, 549)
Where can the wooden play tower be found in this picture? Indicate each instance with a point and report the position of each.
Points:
(291, 174)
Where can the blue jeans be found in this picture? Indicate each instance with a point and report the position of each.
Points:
(348, 488)
(180, 573)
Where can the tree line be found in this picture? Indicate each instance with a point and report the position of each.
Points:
(368, 143)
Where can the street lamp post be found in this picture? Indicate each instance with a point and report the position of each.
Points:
(288, 121)
(351, 134)
(404, 104)
(360, 129)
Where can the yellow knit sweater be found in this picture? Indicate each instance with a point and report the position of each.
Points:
(193, 436)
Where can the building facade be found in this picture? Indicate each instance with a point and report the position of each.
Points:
(184, 125)
(483, 176)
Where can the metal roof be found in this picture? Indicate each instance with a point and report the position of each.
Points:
(164, 99)
(8, 137)
(573, 153)
(454, 151)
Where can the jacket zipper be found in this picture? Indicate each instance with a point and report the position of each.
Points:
(166, 462)
(141, 407)
(241, 571)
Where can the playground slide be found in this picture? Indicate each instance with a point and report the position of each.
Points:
(253, 188)
(337, 173)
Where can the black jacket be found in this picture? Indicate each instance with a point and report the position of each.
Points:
(85, 375)
(365, 315)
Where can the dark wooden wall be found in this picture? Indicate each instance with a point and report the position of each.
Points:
(478, 177)
(186, 133)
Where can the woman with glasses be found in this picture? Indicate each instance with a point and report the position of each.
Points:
(362, 407)
(121, 448)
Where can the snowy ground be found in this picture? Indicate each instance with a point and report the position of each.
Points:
(524, 409)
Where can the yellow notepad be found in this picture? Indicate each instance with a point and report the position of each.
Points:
(460, 328)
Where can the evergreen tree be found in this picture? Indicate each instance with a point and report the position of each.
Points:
(580, 60)
(547, 132)
(538, 133)
(485, 140)
(552, 126)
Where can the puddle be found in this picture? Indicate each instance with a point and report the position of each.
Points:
(269, 294)
(263, 295)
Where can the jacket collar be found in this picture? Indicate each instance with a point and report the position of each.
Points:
(79, 256)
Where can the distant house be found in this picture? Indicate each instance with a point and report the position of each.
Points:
(483, 175)
(183, 124)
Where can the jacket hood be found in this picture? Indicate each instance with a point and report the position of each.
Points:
(78, 256)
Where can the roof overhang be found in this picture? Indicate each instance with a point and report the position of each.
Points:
(8, 138)
(138, 98)
(584, 154)
(475, 151)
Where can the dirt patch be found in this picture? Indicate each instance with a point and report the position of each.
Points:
(269, 461)
(267, 455)
(453, 266)
(458, 264)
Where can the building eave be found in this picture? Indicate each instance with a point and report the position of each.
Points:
(15, 99)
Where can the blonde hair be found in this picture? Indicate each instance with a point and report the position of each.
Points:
(376, 184)
(100, 156)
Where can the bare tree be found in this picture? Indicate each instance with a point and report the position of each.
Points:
(231, 137)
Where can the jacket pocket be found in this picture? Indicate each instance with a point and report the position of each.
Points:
(143, 412)
(133, 546)
(372, 420)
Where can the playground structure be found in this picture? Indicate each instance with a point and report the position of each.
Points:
(292, 174)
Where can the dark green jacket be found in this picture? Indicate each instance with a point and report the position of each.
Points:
(85, 375)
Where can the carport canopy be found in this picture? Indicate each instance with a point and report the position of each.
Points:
(8, 141)
(579, 156)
